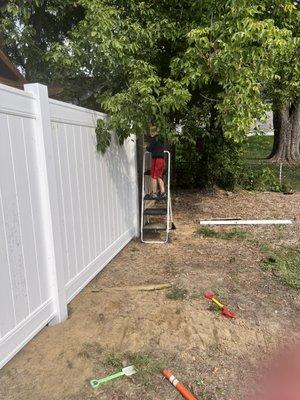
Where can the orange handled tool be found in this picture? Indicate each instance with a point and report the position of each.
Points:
(168, 374)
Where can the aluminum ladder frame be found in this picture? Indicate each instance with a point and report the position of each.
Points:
(169, 215)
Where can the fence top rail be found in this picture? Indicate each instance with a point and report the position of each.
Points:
(19, 92)
(77, 108)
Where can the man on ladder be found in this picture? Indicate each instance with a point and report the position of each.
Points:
(149, 214)
(156, 148)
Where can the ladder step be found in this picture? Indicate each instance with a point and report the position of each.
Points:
(155, 211)
(146, 198)
(155, 227)
(159, 199)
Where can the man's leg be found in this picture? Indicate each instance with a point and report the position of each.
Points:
(153, 185)
(161, 185)
(160, 172)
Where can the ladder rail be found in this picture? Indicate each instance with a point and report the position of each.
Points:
(143, 194)
(168, 195)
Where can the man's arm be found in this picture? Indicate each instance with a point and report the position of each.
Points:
(150, 146)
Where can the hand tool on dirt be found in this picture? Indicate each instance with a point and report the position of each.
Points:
(168, 374)
(127, 371)
(224, 310)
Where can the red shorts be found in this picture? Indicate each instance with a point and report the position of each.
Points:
(157, 168)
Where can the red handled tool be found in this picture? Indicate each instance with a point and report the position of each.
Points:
(224, 310)
(168, 374)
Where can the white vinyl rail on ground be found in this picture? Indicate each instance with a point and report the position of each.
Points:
(65, 210)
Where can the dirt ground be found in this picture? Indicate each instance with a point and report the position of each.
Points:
(111, 325)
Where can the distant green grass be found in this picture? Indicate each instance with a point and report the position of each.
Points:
(226, 235)
(258, 148)
(146, 365)
(285, 264)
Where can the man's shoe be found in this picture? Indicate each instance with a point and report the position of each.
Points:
(163, 196)
(151, 196)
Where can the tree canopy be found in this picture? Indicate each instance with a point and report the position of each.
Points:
(28, 28)
(161, 59)
(284, 90)
(27, 31)
(210, 63)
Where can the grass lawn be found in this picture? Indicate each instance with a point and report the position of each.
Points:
(258, 148)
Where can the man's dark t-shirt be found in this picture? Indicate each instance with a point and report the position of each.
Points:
(156, 147)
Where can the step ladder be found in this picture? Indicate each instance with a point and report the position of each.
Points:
(154, 209)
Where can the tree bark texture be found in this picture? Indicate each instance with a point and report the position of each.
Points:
(286, 145)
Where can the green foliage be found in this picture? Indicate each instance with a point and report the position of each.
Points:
(28, 28)
(161, 59)
(164, 56)
(262, 179)
(103, 136)
(234, 56)
(286, 188)
(285, 83)
(203, 155)
(188, 150)
(220, 164)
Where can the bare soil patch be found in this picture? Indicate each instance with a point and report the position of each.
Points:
(173, 327)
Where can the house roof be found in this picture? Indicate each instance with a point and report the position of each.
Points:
(9, 74)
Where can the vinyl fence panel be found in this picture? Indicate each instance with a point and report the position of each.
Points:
(65, 210)
(26, 302)
(97, 194)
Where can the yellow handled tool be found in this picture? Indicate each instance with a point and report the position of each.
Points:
(224, 310)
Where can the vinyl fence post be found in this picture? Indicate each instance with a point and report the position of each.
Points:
(139, 166)
(49, 201)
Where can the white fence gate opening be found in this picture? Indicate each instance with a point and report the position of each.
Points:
(65, 210)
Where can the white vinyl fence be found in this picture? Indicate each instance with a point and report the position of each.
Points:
(65, 210)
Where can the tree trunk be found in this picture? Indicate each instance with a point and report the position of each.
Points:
(286, 145)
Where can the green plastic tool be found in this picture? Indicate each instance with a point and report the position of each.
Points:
(125, 371)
